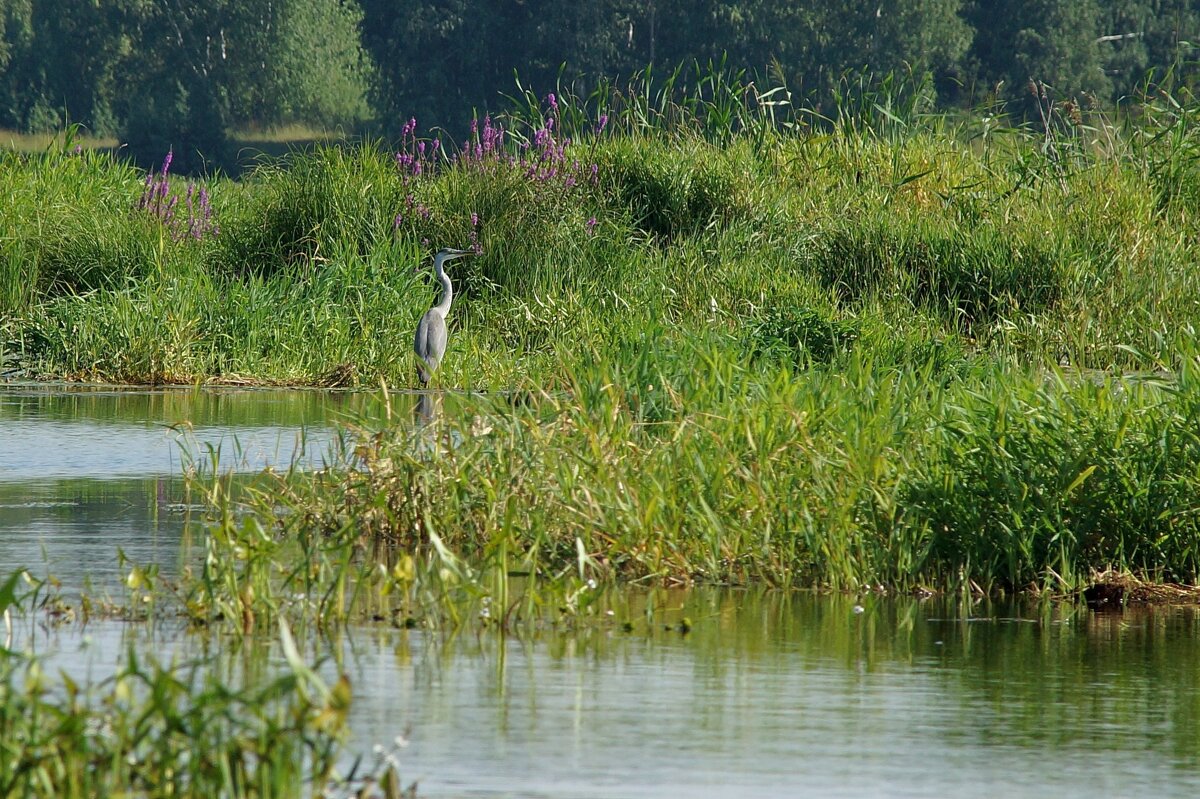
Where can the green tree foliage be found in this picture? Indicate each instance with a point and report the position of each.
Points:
(1149, 36)
(177, 73)
(300, 61)
(5, 46)
(18, 92)
(204, 67)
(439, 60)
(1042, 41)
(173, 73)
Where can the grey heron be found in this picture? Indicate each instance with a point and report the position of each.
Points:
(430, 341)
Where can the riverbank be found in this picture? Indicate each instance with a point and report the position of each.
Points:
(887, 351)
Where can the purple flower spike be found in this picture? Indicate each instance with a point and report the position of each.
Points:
(591, 225)
(602, 123)
(474, 219)
(552, 101)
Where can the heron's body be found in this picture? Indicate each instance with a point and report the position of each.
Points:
(432, 333)
(430, 343)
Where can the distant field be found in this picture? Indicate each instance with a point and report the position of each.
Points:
(249, 146)
(38, 142)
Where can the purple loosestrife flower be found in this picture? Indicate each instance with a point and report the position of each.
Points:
(591, 225)
(398, 221)
(602, 123)
(553, 102)
(158, 200)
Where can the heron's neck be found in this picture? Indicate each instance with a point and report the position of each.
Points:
(447, 291)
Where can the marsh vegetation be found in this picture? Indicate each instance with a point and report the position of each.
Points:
(710, 339)
(883, 348)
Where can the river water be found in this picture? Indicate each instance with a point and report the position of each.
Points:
(769, 694)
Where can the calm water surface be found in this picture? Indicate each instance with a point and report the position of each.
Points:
(771, 694)
(85, 470)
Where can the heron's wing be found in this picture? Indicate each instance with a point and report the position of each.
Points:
(430, 340)
(437, 340)
(421, 340)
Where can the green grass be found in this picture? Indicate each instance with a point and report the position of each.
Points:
(185, 729)
(690, 466)
(885, 348)
(1000, 253)
(753, 349)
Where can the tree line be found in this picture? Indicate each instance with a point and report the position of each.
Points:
(160, 71)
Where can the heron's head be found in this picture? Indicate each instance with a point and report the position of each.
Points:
(448, 254)
(445, 256)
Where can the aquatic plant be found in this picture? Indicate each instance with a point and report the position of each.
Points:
(693, 466)
(152, 730)
(860, 290)
(161, 202)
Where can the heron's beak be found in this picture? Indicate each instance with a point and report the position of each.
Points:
(447, 255)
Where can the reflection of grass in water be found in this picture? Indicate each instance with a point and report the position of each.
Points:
(225, 407)
(180, 730)
(248, 715)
